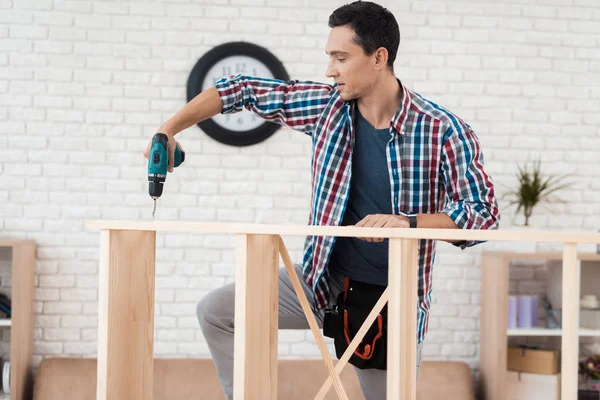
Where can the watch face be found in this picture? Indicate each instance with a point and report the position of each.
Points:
(233, 65)
(241, 128)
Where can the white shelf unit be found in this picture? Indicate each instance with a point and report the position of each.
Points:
(5, 323)
(494, 330)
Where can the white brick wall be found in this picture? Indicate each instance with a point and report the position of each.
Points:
(84, 85)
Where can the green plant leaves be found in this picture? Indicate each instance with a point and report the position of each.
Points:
(534, 188)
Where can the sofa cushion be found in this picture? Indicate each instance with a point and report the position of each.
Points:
(182, 378)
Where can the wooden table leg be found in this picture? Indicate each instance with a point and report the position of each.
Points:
(570, 321)
(493, 327)
(23, 267)
(402, 320)
(126, 315)
(256, 322)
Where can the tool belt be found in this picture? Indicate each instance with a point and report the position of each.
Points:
(343, 321)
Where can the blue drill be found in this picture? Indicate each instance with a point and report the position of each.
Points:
(158, 164)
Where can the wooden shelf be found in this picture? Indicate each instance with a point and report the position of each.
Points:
(494, 332)
(534, 332)
(551, 332)
(21, 321)
(589, 332)
(548, 256)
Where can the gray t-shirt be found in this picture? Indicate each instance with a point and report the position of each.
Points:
(370, 193)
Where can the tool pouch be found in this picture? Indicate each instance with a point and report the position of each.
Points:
(343, 321)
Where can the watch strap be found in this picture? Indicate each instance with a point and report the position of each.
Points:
(412, 219)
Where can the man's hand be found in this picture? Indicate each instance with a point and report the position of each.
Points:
(382, 221)
(172, 143)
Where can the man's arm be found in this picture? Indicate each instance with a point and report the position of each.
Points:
(439, 220)
(296, 104)
(292, 103)
(205, 105)
(470, 194)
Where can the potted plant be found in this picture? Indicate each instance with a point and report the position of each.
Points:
(533, 188)
(589, 371)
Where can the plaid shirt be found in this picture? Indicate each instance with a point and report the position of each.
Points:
(434, 159)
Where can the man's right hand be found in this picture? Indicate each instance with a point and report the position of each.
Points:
(172, 143)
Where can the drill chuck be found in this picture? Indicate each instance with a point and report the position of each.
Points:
(155, 189)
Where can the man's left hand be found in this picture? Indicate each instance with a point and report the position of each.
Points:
(382, 221)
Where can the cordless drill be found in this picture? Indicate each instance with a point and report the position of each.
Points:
(158, 164)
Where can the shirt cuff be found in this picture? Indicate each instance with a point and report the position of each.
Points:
(460, 216)
(230, 93)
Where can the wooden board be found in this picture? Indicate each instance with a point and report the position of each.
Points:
(350, 231)
(15, 242)
(570, 322)
(256, 317)
(493, 327)
(402, 320)
(21, 344)
(126, 315)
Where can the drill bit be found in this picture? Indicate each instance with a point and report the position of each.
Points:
(153, 209)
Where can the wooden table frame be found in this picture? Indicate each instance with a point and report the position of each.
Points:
(126, 303)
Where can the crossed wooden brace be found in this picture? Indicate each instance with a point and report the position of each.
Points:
(334, 372)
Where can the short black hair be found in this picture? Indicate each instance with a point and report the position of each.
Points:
(374, 27)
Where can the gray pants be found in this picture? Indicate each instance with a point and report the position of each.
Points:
(216, 316)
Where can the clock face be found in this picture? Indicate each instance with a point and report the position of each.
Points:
(233, 65)
(241, 128)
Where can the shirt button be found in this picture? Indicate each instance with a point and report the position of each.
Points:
(327, 248)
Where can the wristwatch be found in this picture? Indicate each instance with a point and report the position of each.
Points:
(412, 219)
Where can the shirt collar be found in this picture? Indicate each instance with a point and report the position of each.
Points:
(401, 114)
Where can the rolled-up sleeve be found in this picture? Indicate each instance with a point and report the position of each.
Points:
(296, 104)
(470, 194)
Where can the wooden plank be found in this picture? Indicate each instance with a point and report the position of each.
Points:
(21, 350)
(493, 327)
(351, 231)
(256, 320)
(570, 321)
(15, 242)
(126, 315)
(312, 322)
(402, 320)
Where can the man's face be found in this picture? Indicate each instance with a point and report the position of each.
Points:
(348, 66)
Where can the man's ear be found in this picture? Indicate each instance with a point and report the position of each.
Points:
(381, 58)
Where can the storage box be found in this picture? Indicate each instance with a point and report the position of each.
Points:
(526, 386)
(532, 360)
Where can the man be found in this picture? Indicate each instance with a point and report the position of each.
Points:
(383, 156)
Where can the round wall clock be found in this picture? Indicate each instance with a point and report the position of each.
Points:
(242, 128)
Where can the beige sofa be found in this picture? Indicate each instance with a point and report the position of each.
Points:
(179, 379)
